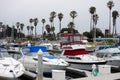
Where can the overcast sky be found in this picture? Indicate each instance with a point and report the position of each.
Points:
(12, 11)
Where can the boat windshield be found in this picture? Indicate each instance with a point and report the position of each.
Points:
(116, 54)
(75, 58)
(4, 54)
(36, 54)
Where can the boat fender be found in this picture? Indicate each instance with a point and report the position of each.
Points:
(95, 70)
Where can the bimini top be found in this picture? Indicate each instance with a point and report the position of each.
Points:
(2, 48)
(32, 49)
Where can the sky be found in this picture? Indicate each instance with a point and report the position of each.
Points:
(12, 11)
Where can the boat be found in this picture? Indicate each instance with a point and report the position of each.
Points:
(111, 54)
(89, 47)
(9, 67)
(14, 47)
(30, 59)
(47, 44)
(78, 39)
(77, 55)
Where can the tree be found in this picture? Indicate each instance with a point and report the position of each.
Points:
(89, 34)
(28, 28)
(32, 30)
(60, 16)
(21, 26)
(18, 29)
(48, 29)
(92, 11)
(115, 14)
(71, 27)
(43, 21)
(51, 21)
(30, 20)
(95, 19)
(53, 15)
(35, 24)
(73, 14)
(64, 30)
(110, 4)
(12, 32)
(1, 23)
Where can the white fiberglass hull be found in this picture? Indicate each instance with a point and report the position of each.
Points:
(113, 62)
(47, 68)
(31, 65)
(85, 66)
(11, 71)
(84, 61)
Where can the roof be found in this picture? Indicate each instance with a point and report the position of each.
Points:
(69, 34)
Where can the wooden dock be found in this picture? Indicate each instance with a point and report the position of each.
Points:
(88, 74)
(113, 76)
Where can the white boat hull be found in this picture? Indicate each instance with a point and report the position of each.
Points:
(11, 71)
(31, 65)
(85, 66)
(114, 62)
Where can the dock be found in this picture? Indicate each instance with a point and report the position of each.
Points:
(113, 76)
(87, 75)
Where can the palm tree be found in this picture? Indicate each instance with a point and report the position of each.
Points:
(32, 30)
(73, 14)
(48, 29)
(60, 16)
(95, 19)
(53, 15)
(18, 30)
(21, 26)
(51, 20)
(115, 14)
(110, 4)
(12, 32)
(30, 20)
(1, 23)
(43, 21)
(35, 24)
(28, 28)
(92, 10)
(71, 27)
(4, 30)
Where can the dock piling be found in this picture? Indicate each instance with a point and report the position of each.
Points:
(40, 66)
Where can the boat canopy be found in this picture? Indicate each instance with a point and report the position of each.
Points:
(35, 48)
(70, 39)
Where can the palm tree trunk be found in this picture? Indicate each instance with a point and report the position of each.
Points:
(60, 27)
(115, 28)
(35, 33)
(109, 22)
(42, 29)
(94, 36)
(91, 23)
